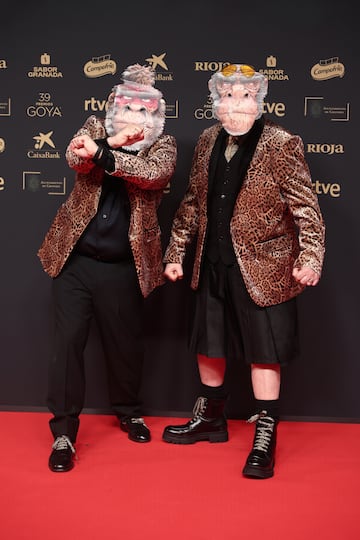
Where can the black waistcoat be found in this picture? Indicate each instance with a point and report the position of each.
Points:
(225, 182)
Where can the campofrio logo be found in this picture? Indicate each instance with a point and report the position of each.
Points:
(99, 66)
(328, 69)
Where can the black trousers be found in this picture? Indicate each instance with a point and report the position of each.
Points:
(110, 293)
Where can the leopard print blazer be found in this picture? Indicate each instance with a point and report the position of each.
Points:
(276, 223)
(145, 175)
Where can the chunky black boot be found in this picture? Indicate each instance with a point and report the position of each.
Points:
(261, 460)
(207, 424)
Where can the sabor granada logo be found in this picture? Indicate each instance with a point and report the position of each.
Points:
(45, 70)
(99, 66)
(328, 69)
(272, 72)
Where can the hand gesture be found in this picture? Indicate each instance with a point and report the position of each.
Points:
(83, 146)
(306, 276)
(173, 271)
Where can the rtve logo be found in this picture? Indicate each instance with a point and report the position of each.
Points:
(95, 105)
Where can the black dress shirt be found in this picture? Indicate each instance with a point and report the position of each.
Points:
(106, 237)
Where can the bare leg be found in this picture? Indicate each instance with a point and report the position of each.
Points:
(212, 370)
(265, 380)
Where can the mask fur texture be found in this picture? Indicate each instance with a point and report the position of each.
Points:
(238, 99)
(136, 101)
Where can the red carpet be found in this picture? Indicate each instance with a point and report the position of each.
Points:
(156, 491)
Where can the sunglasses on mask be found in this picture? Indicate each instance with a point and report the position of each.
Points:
(244, 69)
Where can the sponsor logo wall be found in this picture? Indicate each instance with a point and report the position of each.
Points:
(48, 91)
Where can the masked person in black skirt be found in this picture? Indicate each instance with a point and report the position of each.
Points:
(260, 242)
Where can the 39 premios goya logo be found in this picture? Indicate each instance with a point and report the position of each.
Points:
(44, 107)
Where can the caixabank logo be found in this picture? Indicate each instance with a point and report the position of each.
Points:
(159, 64)
(45, 70)
(44, 147)
(160, 67)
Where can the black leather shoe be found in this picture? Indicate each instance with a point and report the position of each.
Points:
(61, 457)
(261, 460)
(207, 424)
(136, 428)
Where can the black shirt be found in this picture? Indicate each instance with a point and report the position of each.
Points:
(106, 237)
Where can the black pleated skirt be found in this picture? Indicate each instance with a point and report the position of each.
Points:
(227, 322)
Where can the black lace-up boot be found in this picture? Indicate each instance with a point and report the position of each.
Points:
(208, 424)
(261, 460)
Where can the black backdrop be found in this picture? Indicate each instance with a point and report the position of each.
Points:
(58, 62)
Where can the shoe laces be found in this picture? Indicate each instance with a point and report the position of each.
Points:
(264, 430)
(199, 406)
(63, 443)
(138, 421)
